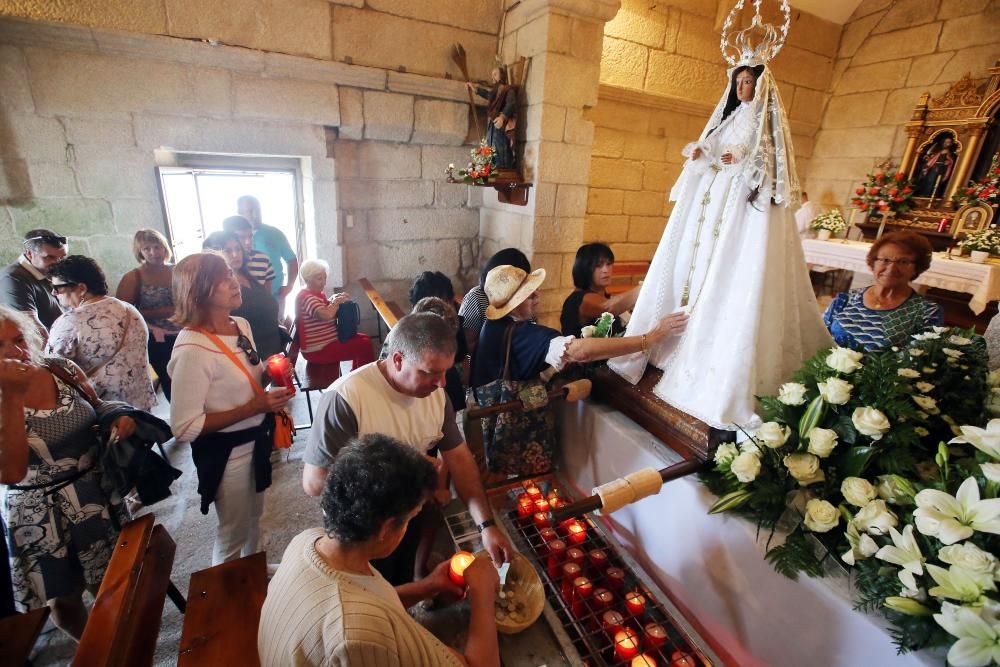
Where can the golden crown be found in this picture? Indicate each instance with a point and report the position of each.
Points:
(757, 43)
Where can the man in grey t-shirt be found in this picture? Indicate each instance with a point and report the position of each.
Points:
(403, 396)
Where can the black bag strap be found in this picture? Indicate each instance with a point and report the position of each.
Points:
(509, 336)
(84, 390)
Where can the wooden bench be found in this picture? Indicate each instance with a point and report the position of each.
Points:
(18, 634)
(125, 619)
(223, 612)
(626, 275)
(388, 311)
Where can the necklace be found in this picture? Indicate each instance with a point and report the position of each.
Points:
(716, 229)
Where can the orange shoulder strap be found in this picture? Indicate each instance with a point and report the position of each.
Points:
(232, 357)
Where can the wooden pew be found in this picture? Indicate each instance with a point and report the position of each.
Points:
(388, 311)
(223, 612)
(125, 620)
(626, 275)
(18, 634)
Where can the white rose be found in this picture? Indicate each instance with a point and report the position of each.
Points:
(927, 404)
(792, 393)
(959, 340)
(870, 422)
(726, 453)
(926, 336)
(822, 441)
(746, 467)
(916, 352)
(857, 491)
(773, 434)
(835, 391)
(876, 518)
(967, 555)
(804, 468)
(588, 331)
(925, 387)
(908, 373)
(750, 446)
(821, 516)
(954, 354)
(895, 490)
(844, 360)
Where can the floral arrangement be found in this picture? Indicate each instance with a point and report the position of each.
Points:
(481, 168)
(831, 220)
(986, 190)
(601, 328)
(986, 240)
(852, 457)
(881, 193)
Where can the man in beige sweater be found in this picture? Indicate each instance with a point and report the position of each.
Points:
(328, 606)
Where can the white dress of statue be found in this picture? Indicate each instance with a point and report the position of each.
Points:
(736, 265)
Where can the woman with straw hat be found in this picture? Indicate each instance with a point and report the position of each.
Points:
(513, 350)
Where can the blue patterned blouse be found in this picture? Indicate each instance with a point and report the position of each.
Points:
(852, 324)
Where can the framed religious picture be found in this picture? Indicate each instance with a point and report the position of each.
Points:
(935, 164)
(972, 218)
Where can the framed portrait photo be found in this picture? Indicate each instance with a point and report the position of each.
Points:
(972, 218)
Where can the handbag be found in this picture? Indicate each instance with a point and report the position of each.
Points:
(348, 318)
(284, 430)
(129, 463)
(518, 442)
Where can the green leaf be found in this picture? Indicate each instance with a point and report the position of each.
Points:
(794, 556)
(812, 416)
(730, 501)
(853, 461)
(846, 432)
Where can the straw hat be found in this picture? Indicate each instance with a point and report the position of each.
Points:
(507, 287)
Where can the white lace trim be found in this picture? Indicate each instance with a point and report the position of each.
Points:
(556, 356)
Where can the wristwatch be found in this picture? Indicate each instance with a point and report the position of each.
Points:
(485, 524)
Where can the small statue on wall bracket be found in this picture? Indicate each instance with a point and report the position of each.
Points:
(501, 114)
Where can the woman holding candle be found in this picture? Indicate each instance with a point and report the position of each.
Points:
(223, 410)
(328, 605)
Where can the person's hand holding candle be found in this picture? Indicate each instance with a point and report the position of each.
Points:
(458, 564)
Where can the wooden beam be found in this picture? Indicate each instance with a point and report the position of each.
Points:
(388, 311)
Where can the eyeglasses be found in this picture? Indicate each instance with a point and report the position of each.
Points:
(47, 239)
(902, 263)
(244, 344)
(57, 289)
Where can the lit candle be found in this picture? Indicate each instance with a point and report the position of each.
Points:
(682, 659)
(547, 535)
(577, 532)
(575, 555)
(556, 503)
(612, 621)
(601, 600)
(554, 493)
(644, 660)
(635, 602)
(533, 492)
(541, 520)
(598, 560)
(525, 508)
(280, 370)
(626, 644)
(616, 578)
(569, 573)
(456, 571)
(656, 635)
(564, 525)
(542, 506)
(582, 590)
(557, 551)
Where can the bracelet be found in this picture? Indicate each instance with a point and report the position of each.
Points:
(485, 524)
(642, 343)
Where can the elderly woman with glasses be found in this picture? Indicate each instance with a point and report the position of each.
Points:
(889, 311)
(221, 407)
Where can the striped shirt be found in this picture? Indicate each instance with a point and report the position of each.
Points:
(314, 333)
(259, 266)
(473, 309)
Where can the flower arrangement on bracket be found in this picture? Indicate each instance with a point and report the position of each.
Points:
(480, 170)
(851, 466)
(831, 221)
(986, 190)
(882, 193)
(986, 240)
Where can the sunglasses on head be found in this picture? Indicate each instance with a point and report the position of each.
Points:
(47, 239)
(246, 346)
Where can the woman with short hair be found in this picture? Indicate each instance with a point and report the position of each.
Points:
(223, 411)
(104, 336)
(316, 321)
(590, 299)
(890, 311)
(148, 289)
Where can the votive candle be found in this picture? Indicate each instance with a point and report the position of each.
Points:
(582, 590)
(626, 644)
(601, 600)
(612, 622)
(542, 506)
(598, 560)
(682, 659)
(554, 493)
(616, 578)
(557, 552)
(533, 492)
(547, 535)
(525, 508)
(569, 572)
(644, 660)
(459, 562)
(575, 555)
(577, 532)
(541, 520)
(635, 602)
(655, 635)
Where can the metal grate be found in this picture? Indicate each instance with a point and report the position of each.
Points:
(582, 620)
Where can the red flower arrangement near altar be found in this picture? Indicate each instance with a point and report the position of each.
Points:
(882, 193)
(986, 190)
(480, 170)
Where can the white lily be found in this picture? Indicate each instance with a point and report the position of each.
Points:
(862, 545)
(904, 551)
(955, 518)
(986, 440)
(956, 583)
(991, 471)
(978, 642)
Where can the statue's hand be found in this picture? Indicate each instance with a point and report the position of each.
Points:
(499, 121)
(696, 153)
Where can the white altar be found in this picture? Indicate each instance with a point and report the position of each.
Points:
(713, 566)
(957, 274)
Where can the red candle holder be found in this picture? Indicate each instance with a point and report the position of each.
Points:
(577, 532)
(556, 503)
(575, 555)
(644, 660)
(615, 578)
(569, 572)
(635, 602)
(541, 520)
(655, 635)
(280, 369)
(601, 600)
(547, 535)
(456, 569)
(626, 643)
(533, 492)
(597, 560)
(525, 508)
(682, 659)
(612, 622)
(554, 493)
(582, 590)
(542, 506)
(557, 552)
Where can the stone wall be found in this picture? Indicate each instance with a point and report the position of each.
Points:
(662, 74)
(890, 54)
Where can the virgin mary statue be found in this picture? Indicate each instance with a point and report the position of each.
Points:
(731, 257)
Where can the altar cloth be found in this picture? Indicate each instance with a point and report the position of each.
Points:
(713, 567)
(957, 274)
